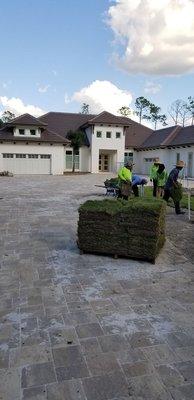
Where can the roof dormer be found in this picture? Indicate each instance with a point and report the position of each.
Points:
(27, 126)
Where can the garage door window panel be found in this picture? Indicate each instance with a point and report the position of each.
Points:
(8, 155)
(33, 156)
(20, 155)
(45, 156)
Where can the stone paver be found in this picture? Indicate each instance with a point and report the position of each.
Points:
(37, 374)
(83, 327)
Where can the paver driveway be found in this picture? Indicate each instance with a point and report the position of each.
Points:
(84, 327)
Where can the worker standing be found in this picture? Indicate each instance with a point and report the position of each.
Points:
(161, 179)
(153, 175)
(172, 185)
(125, 180)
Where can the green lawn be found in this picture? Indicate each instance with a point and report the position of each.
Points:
(184, 201)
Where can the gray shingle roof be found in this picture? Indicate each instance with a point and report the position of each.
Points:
(136, 134)
(108, 118)
(157, 137)
(26, 119)
(171, 136)
(62, 123)
(184, 136)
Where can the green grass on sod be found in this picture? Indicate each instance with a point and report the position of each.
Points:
(184, 201)
(135, 204)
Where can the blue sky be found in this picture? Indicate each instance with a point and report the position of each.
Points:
(52, 49)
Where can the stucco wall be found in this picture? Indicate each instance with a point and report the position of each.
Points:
(167, 156)
(56, 152)
(103, 143)
(85, 153)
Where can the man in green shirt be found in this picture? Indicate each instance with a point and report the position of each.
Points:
(153, 175)
(125, 180)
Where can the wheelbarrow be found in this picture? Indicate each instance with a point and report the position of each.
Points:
(110, 190)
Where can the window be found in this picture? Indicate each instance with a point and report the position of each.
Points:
(21, 131)
(45, 156)
(32, 155)
(20, 155)
(118, 135)
(69, 159)
(108, 135)
(8, 155)
(128, 157)
(177, 157)
(149, 160)
(32, 132)
(98, 134)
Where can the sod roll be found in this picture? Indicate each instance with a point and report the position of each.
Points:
(177, 192)
(133, 229)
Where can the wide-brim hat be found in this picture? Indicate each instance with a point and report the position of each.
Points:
(180, 163)
(129, 164)
(157, 161)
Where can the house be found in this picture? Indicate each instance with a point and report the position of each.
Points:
(170, 145)
(30, 145)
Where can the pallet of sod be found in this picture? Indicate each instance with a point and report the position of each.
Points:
(132, 229)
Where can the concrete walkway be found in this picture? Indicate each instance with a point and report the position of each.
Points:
(78, 327)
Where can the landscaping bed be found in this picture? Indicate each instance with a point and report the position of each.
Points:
(132, 229)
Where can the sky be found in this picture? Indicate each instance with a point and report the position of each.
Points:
(57, 54)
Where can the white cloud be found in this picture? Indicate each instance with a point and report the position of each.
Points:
(43, 89)
(157, 36)
(16, 105)
(54, 72)
(67, 99)
(152, 87)
(103, 95)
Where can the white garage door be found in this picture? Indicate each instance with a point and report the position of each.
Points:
(27, 163)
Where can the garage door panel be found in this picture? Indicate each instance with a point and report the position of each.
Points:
(27, 163)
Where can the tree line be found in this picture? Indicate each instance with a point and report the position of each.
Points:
(181, 112)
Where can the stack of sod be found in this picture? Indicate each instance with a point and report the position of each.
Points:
(133, 229)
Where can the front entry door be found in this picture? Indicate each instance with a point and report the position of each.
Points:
(103, 162)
